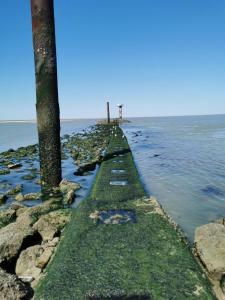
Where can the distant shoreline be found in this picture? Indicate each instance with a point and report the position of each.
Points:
(97, 119)
(17, 121)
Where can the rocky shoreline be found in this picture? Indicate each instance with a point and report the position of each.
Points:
(27, 244)
(30, 228)
(19, 169)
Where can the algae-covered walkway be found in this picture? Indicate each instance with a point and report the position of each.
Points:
(118, 246)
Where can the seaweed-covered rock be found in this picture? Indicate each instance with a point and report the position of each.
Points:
(7, 216)
(14, 166)
(29, 151)
(84, 168)
(17, 189)
(210, 248)
(49, 225)
(69, 197)
(67, 185)
(11, 288)
(30, 215)
(31, 196)
(30, 176)
(4, 184)
(3, 198)
(4, 171)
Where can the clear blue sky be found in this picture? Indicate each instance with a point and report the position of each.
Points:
(158, 57)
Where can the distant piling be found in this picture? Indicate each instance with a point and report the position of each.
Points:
(108, 113)
(47, 106)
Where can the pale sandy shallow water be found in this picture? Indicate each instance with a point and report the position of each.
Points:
(181, 160)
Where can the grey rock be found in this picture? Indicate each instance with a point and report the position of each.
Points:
(19, 197)
(11, 288)
(30, 215)
(69, 197)
(210, 248)
(44, 258)
(50, 224)
(26, 263)
(68, 189)
(17, 206)
(12, 237)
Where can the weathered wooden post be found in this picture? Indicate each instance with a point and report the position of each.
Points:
(47, 105)
(108, 113)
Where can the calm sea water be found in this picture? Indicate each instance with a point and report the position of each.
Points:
(17, 134)
(181, 160)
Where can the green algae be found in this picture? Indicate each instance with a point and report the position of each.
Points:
(15, 190)
(87, 148)
(30, 176)
(143, 260)
(6, 217)
(4, 171)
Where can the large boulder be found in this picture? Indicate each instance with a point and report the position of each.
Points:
(12, 238)
(49, 225)
(210, 248)
(26, 263)
(11, 288)
(32, 261)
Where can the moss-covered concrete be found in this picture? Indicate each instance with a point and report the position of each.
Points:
(147, 259)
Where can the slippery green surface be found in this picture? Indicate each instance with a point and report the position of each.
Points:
(143, 260)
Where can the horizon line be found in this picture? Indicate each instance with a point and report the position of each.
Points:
(100, 118)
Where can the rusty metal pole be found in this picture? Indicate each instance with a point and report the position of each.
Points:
(108, 113)
(47, 106)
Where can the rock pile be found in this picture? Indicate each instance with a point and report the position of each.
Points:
(28, 239)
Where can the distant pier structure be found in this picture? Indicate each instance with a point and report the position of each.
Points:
(117, 120)
(120, 106)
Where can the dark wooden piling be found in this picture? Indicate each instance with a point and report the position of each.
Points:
(108, 113)
(47, 106)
